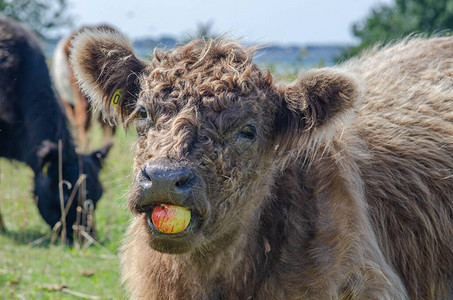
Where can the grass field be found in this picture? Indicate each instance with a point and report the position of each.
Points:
(31, 267)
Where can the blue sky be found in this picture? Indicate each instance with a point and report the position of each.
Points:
(260, 21)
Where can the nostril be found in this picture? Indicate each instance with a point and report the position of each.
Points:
(146, 174)
(164, 182)
(184, 181)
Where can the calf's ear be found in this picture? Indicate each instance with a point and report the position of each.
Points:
(47, 154)
(315, 107)
(107, 70)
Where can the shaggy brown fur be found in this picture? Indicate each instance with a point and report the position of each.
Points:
(77, 107)
(338, 186)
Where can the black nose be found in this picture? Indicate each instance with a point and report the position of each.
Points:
(163, 184)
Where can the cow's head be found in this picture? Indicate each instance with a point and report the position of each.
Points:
(79, 182)
(213, 129)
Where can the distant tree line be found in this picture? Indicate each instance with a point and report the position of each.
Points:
(384, 23)
(42, 16)
(389, 22)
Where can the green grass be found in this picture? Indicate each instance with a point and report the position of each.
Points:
(30, 264)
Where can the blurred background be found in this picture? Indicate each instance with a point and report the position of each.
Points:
(298, 35)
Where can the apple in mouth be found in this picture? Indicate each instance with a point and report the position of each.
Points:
(170, 219)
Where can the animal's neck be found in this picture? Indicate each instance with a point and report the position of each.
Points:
(229, 268)
(198, 275)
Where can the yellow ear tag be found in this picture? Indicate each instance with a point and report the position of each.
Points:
(117, 97)
(45, 168)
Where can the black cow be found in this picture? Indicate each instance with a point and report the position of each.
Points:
(32, 122)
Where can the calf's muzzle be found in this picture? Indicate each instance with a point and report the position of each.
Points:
(164, 184)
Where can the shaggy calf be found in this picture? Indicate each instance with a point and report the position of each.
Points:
(31, 124)
(78, 108)
(336, 186)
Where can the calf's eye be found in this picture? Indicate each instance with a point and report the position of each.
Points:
(142, 113)
(142, 122)
(248, 132)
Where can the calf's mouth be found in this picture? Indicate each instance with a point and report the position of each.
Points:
(186, 240)
(169, 225)
(172, 202)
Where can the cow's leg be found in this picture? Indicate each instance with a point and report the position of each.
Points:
(69, 108)
(108, 131)
(82, 112)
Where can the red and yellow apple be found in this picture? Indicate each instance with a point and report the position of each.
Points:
(170, 218)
